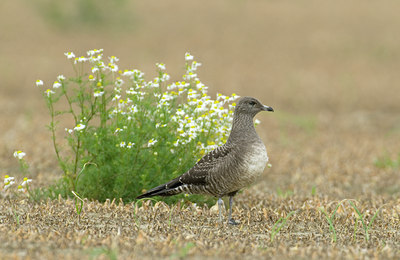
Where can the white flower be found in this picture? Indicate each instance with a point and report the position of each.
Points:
(79, 127)
(70, 131)
(113, 67)
(49, 92)
(172, 86)
(60, 78)
(122, 144)
(195, 64)
(130, 145)
(220, 96)
(161, 66)
(113, 59)
(133, 73)
(188, 56)
(8, 185)
(119, 82)
(133, 109)
(117, 89)
(128, 73)
(151, 142)
(100, 65)
(95, 59)
(98, 93)
(116, 97)
(94, 52)
(165, 77)
(26, 181)
(200, 85)
(69, 55)
(39, 83)
(131, 91)
(80, 59)
(190, 75)
(8, 179)
(154, 83)
(167, 97)
(21, 189)
(19, 154)
(122, 103)
(95, 69)
(90, 53)
(56, 84)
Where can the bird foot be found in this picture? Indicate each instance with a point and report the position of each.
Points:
(231, 221)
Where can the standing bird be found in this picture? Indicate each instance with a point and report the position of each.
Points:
(228, 168)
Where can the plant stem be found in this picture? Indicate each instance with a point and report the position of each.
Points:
(78, 143)
(53, 135)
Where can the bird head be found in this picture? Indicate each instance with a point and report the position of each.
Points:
(251, 106)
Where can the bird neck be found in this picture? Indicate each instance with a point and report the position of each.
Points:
(242, 128)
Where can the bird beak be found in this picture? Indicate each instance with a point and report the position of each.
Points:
(267, 108)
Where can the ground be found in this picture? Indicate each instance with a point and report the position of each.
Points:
(52, 230)
(330, 71)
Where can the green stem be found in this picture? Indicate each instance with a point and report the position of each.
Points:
(103, 112)
(78, 143)
(53, 135)
(70, 105)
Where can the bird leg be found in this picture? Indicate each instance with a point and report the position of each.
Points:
(220, 203)
(230, 219)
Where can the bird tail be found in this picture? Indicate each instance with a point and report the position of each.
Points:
(168, 189)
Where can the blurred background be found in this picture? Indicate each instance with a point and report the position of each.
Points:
(329, 68)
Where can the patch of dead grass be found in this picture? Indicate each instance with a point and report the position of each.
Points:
(51, 229)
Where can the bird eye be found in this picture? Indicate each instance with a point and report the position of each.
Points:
(252, 103)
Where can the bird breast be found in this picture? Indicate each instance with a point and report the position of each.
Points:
(255, 162)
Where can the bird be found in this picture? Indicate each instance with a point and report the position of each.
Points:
(228, 168)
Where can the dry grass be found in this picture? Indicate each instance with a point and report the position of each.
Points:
(330, 70)
(53, 230)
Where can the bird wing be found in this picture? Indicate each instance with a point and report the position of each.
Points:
(197, 175)
(205, 166)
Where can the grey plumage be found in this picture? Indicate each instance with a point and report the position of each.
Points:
(228, 168)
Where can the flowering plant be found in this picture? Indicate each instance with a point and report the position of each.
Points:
(10, 181)
(133, 133)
